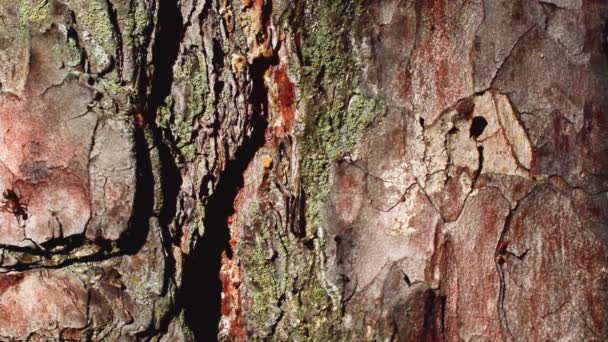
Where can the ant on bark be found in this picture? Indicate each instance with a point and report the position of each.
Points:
(13, 203)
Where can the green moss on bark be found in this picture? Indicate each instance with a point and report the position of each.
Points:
(287, 300)
(265, 292)
(336, 116)
(192, 84)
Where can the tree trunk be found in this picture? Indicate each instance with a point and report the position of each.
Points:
(304, 170)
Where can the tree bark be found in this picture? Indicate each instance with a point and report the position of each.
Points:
(303, 170)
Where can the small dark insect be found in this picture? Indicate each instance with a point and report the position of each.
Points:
(14, 204)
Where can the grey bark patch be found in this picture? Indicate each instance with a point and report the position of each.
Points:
(34, 171)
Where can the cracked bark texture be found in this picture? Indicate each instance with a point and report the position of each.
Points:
(304, 170)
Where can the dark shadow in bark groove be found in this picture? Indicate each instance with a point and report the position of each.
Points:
(164, 55)
(165, 52)
(134, 238)
(202, 289)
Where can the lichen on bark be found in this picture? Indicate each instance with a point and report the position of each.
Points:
(337, 114)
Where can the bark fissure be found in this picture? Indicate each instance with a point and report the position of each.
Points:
(499, 257)
(202, 289)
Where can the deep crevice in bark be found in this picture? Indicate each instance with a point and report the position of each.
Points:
(479, 167)
(202, 289)
(443, 300)
(132, 240)
(429, 324)
(165, 51)
(151, 144)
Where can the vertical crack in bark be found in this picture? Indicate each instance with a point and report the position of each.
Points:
(134, 238)
(479, 167)
(498, 255)
(502, 315)
(273, 327)
(151, 145)
(202, 288)
(434, 314)
(165, 52)
(508, 56)
(443, 302)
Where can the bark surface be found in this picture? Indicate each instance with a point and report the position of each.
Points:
(304, 170)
